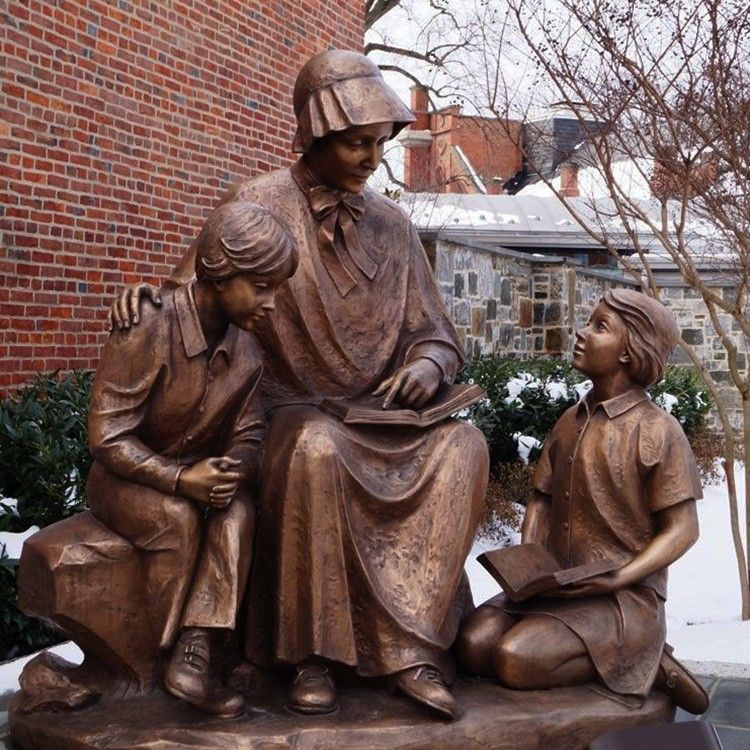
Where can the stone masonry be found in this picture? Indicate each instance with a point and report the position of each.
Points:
(515, 303)
(507, 302)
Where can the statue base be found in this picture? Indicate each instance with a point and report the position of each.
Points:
(369, 717)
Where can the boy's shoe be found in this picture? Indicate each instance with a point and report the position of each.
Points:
(426, 685)
(676, 681)
(313, 691)
(223, 702)
(187, 675)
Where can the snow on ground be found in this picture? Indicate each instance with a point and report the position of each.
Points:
(703, 585)
(703, 605)
(12, 542)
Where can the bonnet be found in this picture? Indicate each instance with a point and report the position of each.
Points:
(337, 89)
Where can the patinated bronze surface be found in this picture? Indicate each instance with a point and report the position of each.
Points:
(356, 581)
(369, 718)
(176, 431)
(362, 531)
(616, 481)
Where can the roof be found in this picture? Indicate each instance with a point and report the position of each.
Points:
(544, 223)
(511, 220)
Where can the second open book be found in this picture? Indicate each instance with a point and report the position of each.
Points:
(528, 570)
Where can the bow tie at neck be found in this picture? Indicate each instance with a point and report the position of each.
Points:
(324, 200)
(337, 212)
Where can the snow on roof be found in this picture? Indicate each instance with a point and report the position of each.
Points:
(544, 222)
(519, 220)
(472, 173)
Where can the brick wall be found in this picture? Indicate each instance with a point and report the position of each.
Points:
(121, 123)
(492, 148)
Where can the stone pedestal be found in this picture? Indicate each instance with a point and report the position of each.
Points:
(369, 718)
(87, 580)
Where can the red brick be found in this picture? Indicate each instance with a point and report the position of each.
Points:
(115, 156)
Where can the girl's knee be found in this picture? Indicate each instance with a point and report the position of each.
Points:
(514, 663)
(477, 637)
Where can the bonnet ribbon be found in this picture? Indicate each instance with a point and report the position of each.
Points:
(336, 210)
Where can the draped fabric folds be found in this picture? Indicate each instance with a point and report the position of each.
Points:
(362, 532)
(338, 241)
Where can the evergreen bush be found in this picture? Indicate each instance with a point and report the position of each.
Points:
(45, 461)
(525, 397)
(44, 446)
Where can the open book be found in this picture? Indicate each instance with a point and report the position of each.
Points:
(528, 570)
(370, 411)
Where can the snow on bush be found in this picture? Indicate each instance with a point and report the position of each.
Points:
(526, 444)
(667, 401)
(526, 397)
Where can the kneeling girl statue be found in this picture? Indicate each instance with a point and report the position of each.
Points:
(616, 480)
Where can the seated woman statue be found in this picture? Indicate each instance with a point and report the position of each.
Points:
(176, 431)
(362, 531)
(616, 481)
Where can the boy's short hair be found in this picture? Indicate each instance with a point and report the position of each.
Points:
(652, 333)
(243, 238)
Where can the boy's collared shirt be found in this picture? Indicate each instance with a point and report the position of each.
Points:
(161, 403)
(606, 469)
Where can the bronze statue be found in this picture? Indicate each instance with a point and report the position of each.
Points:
(616, 481)
(362, 528)
(363, 532)
(176, 431)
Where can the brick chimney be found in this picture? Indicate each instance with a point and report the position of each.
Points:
(420, 105)
(417, 142)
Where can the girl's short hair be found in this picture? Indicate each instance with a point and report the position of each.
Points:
(243, 238)
(652, 333)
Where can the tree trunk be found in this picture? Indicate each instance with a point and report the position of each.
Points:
(729, 464)
(746, 457)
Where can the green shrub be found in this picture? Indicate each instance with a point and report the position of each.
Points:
(19, 635)
(44, 446)
(526, 397)
(683, 394)
(45, 461)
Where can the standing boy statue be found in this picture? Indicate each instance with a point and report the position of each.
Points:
(176, 430)
(616, 480)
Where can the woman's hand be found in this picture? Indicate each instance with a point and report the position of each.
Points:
(124, 311)
(211, 482)
(413, 385)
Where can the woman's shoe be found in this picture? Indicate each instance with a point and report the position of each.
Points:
(313, 691)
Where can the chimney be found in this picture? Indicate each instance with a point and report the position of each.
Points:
(420, 105)
(417, 141)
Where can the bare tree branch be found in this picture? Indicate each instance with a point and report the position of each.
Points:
(376, 9)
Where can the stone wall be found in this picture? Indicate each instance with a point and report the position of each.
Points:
(488, 295)
(508, 302)
(515, 303)
(698, 330)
